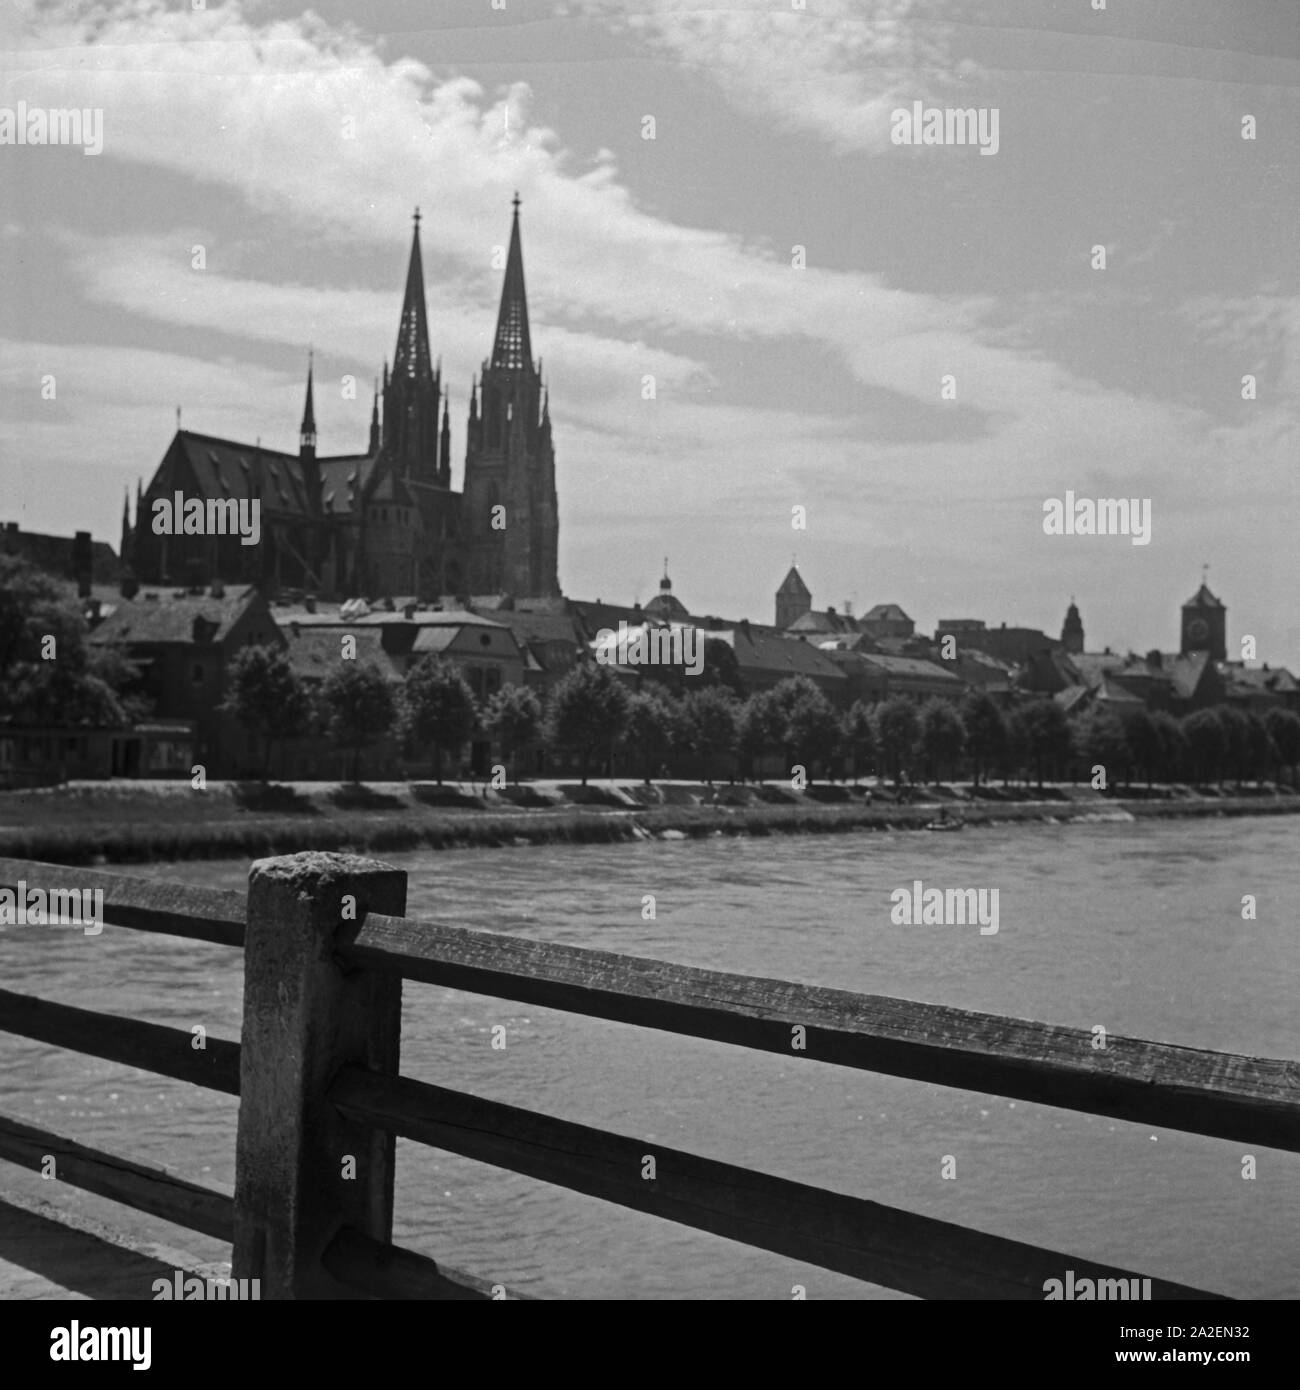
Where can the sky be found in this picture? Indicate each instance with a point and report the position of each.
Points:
(799, 286)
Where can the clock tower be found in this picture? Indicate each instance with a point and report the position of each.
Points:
(1205, 625)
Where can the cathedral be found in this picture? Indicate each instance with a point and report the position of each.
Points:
(386, 522)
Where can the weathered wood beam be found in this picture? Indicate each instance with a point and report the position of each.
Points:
(143, 1186)
(1254, 1100)
(881, 1244)
(152, 1047)
(157, 905)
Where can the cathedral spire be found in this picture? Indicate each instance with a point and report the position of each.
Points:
(374, 421)
(513, 347)
(412, 357)
(307, 433)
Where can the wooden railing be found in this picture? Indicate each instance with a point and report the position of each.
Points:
(326, 947)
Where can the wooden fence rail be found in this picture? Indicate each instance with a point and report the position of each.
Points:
(326, 948)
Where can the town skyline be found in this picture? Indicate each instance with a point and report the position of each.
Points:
(776, 386)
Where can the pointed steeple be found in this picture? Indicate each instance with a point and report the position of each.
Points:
(307, 432)
(513, 347)
(374, 422)
(412, 357)
(125, 548)
(444, 447)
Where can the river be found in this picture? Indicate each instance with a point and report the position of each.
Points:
(1136, 927)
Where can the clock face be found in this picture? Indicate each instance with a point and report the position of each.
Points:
(1198, 629)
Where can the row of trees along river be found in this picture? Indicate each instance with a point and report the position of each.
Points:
(590, 715)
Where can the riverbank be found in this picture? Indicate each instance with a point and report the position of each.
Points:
(136, 822)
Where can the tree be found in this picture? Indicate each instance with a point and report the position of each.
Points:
(896, 734)
(437, 708)
(1284, 729)
(266, 697)
(1173, 746)
(786, 696)
(760, 726)
(587, 714)
(1015, 746)
(1099, 741)
(1260, 753)
(48, 672)
(1236, 734)
(986, 733)
(514, 718)
(652, 725)
(357, 708)
(1047, 732)
(1142, 741)
(1207, 743)
(709, 716)
(720, 667)
(941, 737)
(813, 729)
(859, 737)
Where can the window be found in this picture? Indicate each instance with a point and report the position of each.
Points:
(493, 683)
(197, 673)
(485, 639)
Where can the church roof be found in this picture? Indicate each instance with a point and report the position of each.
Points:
(227, 468)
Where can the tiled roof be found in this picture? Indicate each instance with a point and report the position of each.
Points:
(170, 618)
(885, 612)
(1091, 666)
(784, 655)
(226, 468)
(828, 621)
(316, 653)
(1203, 598)
(906, 666)
(1187, 671)
(53, 554)
(793, 583)
(1275, 678)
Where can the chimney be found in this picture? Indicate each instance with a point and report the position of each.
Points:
(81, 563)
(408, 611)
(218, 589)
(309, 603)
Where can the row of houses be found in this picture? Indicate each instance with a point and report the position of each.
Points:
(180, 645)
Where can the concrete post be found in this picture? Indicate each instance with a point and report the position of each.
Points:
(301, 1171)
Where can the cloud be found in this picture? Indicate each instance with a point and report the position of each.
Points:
(831, 68)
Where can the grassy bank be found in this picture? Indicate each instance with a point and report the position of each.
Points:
(140, 822)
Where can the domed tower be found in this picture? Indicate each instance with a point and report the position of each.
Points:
(1072, 630)
(665, 605)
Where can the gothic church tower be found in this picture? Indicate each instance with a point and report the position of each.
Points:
(510, 516)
